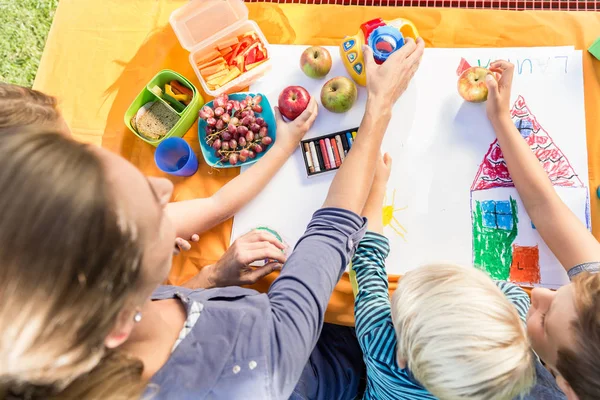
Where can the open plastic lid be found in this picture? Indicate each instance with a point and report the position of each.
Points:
(200, 19)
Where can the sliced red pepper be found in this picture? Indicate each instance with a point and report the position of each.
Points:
(241, 46)
(251, 56)
(238, 62)
(249, 49)
(240, 59)
(261, 54)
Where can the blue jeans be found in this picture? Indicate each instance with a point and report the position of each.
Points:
(335, 369)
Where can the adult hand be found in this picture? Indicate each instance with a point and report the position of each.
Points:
(498, 101)
(290, 133)
(387, 82)
(183, 245)
(233, 269)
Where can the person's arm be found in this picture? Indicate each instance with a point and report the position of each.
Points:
(351, 185)
(372, 308)
(563, 232)
(300, 294)
(196, 216)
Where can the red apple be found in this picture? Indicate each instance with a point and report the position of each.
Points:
(338, 94)
(315, 62)
(472, 86)
(293, 100)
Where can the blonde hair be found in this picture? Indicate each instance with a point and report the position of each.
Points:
(21, 106)
(68, 268)
(460, 336)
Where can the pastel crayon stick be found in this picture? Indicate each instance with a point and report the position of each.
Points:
(345, 143)
(338, 141)
(349, 137)
(313, 152)
(309, 159)
(330, 154)
(336, 152)
(319, 156)
(353, 135)
(323, 147)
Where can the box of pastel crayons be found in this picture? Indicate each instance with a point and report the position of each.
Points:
(326, 153)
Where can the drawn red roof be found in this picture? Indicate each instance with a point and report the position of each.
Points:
(493, 171)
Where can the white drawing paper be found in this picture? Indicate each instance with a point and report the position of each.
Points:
(438, 143)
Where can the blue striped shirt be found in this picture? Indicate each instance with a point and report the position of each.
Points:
(374, 328)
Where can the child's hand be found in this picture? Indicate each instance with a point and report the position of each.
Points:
(498, 101)
(289, 134)
(184, 245)
(374, 205)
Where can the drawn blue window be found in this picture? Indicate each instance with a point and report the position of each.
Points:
(505, 222)
(525, 127)
(497, 214)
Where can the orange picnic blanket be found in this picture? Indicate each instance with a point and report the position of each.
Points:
(100, 54)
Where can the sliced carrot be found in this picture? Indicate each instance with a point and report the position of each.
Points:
(226, 51)
(208, 57)
(232, 41)
(216, 61)
(212, 69)
(217, 75)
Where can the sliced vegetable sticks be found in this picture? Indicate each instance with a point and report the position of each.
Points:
(230, 58)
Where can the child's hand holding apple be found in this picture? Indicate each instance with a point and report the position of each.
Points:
(498, 103)
(290, 133)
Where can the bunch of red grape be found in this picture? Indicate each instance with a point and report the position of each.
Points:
(234, 129)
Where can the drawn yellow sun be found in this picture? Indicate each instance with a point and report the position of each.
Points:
(390, 220)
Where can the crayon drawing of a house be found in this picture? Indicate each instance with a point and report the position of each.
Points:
(505, 243)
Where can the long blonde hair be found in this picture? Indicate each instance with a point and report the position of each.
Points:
(67, 270)
(21, 106)
(461, 338)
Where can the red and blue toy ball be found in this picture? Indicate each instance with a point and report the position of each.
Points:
(384, 41)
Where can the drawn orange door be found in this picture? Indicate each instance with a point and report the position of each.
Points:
(525, 267)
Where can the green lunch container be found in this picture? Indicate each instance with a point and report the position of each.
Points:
(187, 117)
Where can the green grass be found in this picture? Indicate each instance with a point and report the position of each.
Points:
(24, 26)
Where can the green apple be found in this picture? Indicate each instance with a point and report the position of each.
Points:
(315, 62)
(339, 94)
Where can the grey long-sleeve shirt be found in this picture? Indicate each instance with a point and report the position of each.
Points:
(248, 345)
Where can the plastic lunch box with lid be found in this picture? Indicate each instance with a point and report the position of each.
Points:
(201, 23)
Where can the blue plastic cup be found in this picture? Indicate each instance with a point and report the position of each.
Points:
(175, 156)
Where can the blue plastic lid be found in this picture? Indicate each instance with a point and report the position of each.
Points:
(384, 41)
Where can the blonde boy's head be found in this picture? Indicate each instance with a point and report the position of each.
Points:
(459, 336)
